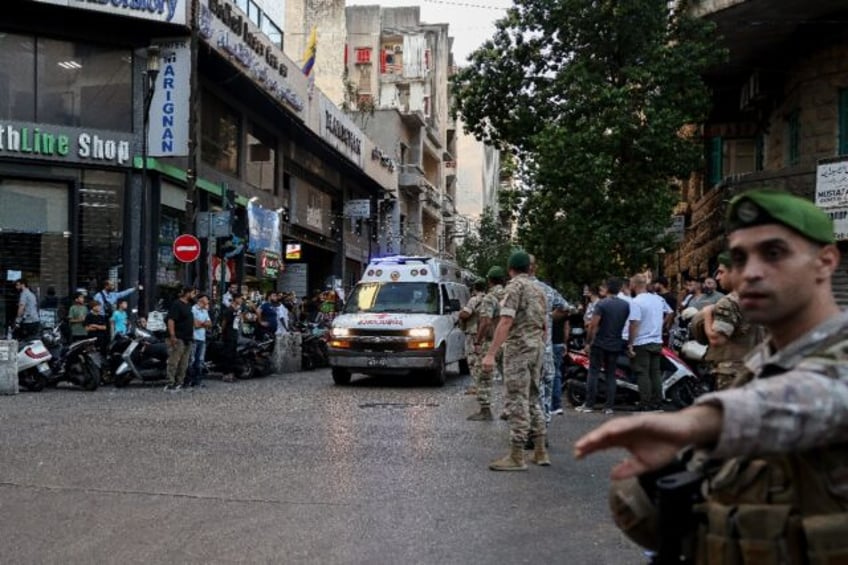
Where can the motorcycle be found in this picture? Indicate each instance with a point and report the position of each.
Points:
(680, 385)
(143, 357)
(78, 363)
(314, 350)
(254, 357)
(33, 364)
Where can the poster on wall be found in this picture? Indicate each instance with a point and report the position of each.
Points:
(832, 194)
(167, 134)
(264, 228)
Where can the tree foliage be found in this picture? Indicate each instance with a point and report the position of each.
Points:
(596, 97)
(489, 246)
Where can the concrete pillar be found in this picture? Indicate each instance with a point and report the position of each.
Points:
(8, 366)
(287, 353)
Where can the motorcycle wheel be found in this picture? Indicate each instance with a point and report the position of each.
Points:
(575, 392)
(32, 380)
(341, 376)
(682, 394)
(91, 375)
(247, 370)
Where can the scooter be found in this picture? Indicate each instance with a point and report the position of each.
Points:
(680, 385)
(314, 350)
(254, 357)
(144, 357)
(33, 364)
(78, 363)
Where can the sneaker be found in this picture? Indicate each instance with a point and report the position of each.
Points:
(585, 409)
(171, 388)
(558, 412)
(608, 411)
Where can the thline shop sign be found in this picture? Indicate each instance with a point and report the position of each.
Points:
(69, 145)
(167, 11)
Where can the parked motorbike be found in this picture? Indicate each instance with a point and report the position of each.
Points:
(314, 350)
(33, 364)
(143, 357)
(680, 385)
(254, 357)
(78, 363)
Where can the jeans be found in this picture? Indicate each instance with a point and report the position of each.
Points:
(195, 369)
(646, 367)
(556, 398)
(601, 358)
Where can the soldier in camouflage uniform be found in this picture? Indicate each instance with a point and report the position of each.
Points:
(556, 308)
(468, 319)
(731, 337)
(521, 330)
(489, 313)
(780, 495)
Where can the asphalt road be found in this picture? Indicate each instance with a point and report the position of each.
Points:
(290, 469)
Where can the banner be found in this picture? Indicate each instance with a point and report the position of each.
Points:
(167, 134)
(264, 229)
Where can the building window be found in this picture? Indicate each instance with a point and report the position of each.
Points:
(17, 77)
(219, 132)
(83, 85)
(739, 156)
(101, 227)
(261, 159)
(843, 121)
(793, 138)
(363, 55)
(714, 164)
(272, 30)
(254, 13)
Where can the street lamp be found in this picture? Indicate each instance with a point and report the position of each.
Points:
(149, 84)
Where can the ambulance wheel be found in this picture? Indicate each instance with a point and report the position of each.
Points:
(341, 376)
(439, 376)
(464, 369)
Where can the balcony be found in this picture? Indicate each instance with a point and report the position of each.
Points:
(411, 178)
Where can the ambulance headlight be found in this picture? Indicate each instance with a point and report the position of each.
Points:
(341, 332)
(421, 333)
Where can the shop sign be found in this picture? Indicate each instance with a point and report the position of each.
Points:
(839, 215)
(70, 145)
(228, 30)
(293, 252)
(339, 131)
(295, 279)
(357, 208)
(832, 184)
(168, 11)
(270, 265)
(167, 134)
(264, 228)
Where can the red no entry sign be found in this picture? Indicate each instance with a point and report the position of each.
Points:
(186, 248)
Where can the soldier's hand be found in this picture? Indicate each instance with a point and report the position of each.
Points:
(488, 364)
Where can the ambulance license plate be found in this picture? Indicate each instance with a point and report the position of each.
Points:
(376, 361)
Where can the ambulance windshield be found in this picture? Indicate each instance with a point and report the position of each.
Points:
(395, 297)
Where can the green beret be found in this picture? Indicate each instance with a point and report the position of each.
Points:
(761, 207)
(519, 260)
(724, 259)
(496, 273)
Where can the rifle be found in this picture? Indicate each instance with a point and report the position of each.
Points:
(676, 496)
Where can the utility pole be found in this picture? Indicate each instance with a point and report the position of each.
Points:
(191, 170)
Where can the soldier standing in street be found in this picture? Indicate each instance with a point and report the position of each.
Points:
(779, 496)
(521, 330)
(489, 313)
(468, 319)
(731, 337)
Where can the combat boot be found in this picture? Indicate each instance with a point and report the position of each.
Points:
(512, 462)
(540, 452)
(484, 415)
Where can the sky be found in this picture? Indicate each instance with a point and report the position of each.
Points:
(471, 21)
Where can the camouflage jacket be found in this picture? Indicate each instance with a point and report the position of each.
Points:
(553, 301)
(525, 303)
(742, 336)
(797, 399)
(472, 307)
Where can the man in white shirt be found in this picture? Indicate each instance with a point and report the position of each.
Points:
(644, 345)
(626, 295)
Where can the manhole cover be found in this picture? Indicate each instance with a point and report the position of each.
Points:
(396, 405)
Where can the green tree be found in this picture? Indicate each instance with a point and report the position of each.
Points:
(489, 246)
(598, 98)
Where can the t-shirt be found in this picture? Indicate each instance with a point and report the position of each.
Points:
(649, 310)
(231, 325)
(30, 306)
(183, 319)
(625, 333)
(269, 316)
(78, 311)
(614, 313)
(706, 299)
(671, 300)
(101, 335)
(119, 318)
(558, 332)
(200, 315)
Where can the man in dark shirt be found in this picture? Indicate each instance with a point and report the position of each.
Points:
(671, 299)
(268, 316)
(180, 338)
(96, 326)
(605, 344)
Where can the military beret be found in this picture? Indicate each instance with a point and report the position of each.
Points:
(724, 259)
(496, 273)
(760, 207)
(519, 260)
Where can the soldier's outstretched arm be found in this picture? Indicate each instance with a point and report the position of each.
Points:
(653, 440)
(501, 333)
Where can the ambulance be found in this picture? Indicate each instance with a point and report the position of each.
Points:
(401, 317)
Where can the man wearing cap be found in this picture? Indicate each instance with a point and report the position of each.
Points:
(468, 318)
(488, 313)
(730, 336)
(781, 436)
(521, 331)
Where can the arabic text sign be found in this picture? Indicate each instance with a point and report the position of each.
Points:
(832, 184)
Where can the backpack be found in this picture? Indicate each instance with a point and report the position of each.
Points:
(107, 306)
